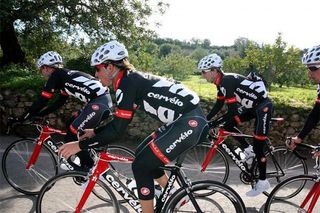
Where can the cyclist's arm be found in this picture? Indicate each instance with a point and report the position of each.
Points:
(311, 121)
(217, 107)
(55, 105)
(38, 105)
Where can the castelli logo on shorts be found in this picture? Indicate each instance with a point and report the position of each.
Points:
(95, 107)
(145, 191)
(193, 123)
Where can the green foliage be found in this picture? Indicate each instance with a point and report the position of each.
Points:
(20, 77)
(176, 66)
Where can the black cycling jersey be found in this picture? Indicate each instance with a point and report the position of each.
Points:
(313, 117)
(160, 98)
(235, 90)
(69, 83)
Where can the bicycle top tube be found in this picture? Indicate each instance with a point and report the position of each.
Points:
(224, 134)
(44, 128)
(108, 157)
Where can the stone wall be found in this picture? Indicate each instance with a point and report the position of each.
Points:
(14, 103)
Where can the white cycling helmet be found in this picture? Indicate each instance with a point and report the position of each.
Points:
(210, 61)
(51, 58)
(312, 56)
(111, 51)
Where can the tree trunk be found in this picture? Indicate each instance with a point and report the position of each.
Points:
(12, 52)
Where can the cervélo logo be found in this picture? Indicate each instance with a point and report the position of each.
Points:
(182, 137)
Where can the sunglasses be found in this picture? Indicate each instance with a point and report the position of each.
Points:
(99, 66)
(205, 71)
(313, 68)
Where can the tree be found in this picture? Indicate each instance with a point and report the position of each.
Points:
(99, 19)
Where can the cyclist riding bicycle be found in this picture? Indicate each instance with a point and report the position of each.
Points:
(74, 83)
(312, 61)
(167, 101)
(250, 94)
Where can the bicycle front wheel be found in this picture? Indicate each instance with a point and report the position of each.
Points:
(280, 201)
(14, 162)
(290, 163)
(218, 168)
(225, 199)
(63, 193)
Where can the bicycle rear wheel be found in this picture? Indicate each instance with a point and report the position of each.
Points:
(290, 163)
(14, 162)
(217, 170)
(63, 193)
(225, 199)
(286, 198)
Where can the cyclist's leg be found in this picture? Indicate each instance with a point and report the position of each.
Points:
(166, 145)
(262, 124)
(90, 117)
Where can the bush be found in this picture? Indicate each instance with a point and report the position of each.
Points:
(20, 77)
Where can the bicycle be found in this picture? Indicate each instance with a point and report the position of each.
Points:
(208, 160)
(68, 195)
(28, 163)
(304, 191)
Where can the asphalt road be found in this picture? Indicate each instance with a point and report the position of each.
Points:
(12, 201)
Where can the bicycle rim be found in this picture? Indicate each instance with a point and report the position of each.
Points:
(290, 164)
(15, 159)
(63, 193)
(218, 168)
(279, 201)
(224, 199)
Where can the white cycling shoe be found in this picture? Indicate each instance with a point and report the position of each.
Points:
(261, 186)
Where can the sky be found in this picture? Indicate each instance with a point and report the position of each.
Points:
(223, 21)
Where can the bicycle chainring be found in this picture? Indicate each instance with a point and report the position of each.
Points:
(245, 178)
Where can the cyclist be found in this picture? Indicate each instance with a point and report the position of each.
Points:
(67, 83)
(250, 94)
(312, 61)
(167, 101)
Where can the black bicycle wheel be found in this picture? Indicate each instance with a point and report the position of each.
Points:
(123, 170)
(14, 162)
(286, 198)
(218, 168)
(225, 199)
(290, 163)
(63, 193)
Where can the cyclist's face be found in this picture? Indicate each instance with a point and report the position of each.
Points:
(314, 73)
(46, 72)
(209, 75)
(105, 73)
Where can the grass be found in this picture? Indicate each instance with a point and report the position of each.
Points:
(285, 96)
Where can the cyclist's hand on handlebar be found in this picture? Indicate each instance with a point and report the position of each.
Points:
(85, 134)
(316, 154)
(69, 149)
(291, 142)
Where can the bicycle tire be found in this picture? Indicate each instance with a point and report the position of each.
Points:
(225, 199)
(218, 168)
(123, 170)
(279, 201)
(63, 192)
(15, 159)
(290, 163)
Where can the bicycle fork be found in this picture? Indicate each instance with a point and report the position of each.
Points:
(211, 153)
(314, 193)
(36, 151)
(100, 167)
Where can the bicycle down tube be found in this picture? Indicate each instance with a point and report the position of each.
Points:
(45, 134)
